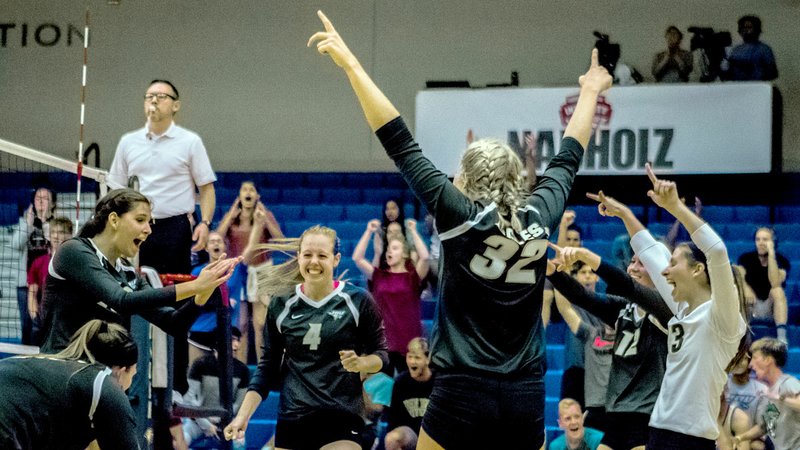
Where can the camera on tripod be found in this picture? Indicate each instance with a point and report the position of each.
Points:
(711, 46)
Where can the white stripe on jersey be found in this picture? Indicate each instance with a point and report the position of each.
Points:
(351, 306)
(286, 308)
(464, 227)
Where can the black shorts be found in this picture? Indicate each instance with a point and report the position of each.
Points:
(318, 429)
(478, 411)
(661, 439)
(625, 430)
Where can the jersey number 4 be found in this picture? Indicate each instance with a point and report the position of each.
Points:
(312, 337)
(499, 251)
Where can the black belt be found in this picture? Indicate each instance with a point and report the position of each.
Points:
(171, 220)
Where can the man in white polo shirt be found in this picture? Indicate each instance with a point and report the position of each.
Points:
(169, 162)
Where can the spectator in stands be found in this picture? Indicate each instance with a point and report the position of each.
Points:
(674, 64)
(677, 233)
(779, 410)
(248, 223)
(60, 230)
(377, 397)
(744, 392)
(30, 237)
(202, 336)
(393, 222)
(316, 329)
(598, 341)
(705, 330)
(396, 288)
(639, 316)
(204, 389)
(410, 396)
(732, 420)
(573, 377)
(72, 398)
(752, 59)
(766, 272)
(576, 436)
(90, 277)
(493, 246)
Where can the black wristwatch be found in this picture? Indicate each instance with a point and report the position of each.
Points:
(207, 222)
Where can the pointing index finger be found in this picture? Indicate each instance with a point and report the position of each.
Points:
(595, 58)
(326, 22)
(594, 197)
(650, 174)
(554, 247)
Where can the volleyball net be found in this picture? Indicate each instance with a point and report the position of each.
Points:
(37, 189)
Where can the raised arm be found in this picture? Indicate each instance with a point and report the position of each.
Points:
(571, 318)
(653, 254)
(423, 256)
(377, 108)
(725, 305)
(359, 253)
(593, 82)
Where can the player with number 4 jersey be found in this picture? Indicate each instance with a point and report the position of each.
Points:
(320, 335)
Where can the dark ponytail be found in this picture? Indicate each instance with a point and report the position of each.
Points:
(101, 342)
(117, 201)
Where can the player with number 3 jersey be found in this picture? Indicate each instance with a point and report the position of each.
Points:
(705, 331)
(487, 340)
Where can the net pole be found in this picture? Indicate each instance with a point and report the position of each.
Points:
(82, 121)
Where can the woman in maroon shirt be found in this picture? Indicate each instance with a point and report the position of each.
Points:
(396, 287)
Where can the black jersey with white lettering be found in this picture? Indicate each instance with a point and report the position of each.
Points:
(49, 403)
(640, 348)
(302, 340)
(489, 315)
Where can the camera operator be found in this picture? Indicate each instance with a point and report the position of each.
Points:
(752, 59)
(710, 50)
(674, 64)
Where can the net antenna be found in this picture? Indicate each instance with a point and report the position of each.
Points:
(83, 115)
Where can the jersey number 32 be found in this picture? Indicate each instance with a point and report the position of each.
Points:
(500, 252)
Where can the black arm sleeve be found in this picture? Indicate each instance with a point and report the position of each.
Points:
(553, 187)
(448, 205)
(79, 264)
(370, 331)
(267, 375)
(605, 307)
(114, 422)
(647, 298)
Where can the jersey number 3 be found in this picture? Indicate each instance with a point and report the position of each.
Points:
(499, 250)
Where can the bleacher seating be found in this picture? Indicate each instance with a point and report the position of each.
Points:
(348, 201)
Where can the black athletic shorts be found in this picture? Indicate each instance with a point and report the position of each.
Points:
(479, 411)
(626, 430)
(318, 429)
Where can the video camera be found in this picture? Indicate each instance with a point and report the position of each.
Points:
(608, 53)
(713, 45)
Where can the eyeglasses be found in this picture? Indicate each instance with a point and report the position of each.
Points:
(160, 96)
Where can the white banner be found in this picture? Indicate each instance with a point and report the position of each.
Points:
(681, 128)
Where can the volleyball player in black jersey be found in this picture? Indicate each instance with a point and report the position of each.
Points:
(69, 399)
(487, 341)
(319, 334)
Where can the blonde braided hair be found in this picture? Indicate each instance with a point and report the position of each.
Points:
(491, 170)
